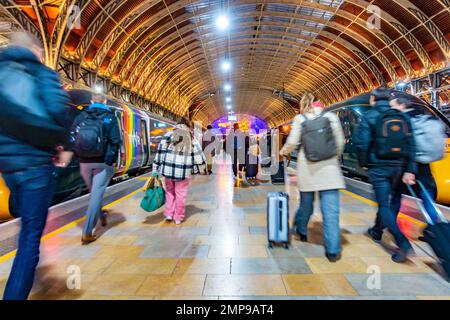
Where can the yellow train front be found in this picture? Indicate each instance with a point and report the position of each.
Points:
(350, 113)
(4, 201)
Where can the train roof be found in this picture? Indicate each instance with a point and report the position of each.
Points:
(364, 100)
(81, 97)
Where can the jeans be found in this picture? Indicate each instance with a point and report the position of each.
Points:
(329, 204)
(426, 177)
(31, 195)
(387, 185)
(176, 194)
(97, 177)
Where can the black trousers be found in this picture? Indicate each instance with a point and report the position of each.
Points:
(237, 164)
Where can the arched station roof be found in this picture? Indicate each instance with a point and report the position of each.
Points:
(170, 52)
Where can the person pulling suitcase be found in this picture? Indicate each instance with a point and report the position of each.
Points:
(320, 139)
(437, 233)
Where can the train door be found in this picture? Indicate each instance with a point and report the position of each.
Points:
(143, 137)
(354, 119)
(349, 121)
(122, 157)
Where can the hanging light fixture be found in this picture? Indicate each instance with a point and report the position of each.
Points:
(226, 66)
(223, 22)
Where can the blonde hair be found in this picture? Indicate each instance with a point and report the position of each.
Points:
(306, 102)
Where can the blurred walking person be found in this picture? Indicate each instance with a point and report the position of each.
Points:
(430, 143)
(320, 137)
(33, 136)
(252, 160)
(385, 145)
(96, 141)
(209, 146)
(235, 147)
(178, 157)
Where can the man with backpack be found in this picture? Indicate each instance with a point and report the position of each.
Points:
(33, 136)
(385, 145)
(429, 136)
(430, 142)
(96, 141)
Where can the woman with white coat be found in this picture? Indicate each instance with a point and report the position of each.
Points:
(324, 177)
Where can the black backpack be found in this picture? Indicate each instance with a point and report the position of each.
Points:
(392, 131)
(89, 141)
(318, 139)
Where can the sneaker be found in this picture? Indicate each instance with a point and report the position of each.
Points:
(333, 257)
(169, 219)
(375, 236)
(401, 255)
(88, 239)
(177, 222)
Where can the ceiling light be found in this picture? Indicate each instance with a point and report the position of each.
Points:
(223, 22)
(226, 66)
(228, 99)
(227, 87)
(98, 88)
(229, 107)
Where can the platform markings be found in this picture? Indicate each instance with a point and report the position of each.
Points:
(374, 204)
(12, 254)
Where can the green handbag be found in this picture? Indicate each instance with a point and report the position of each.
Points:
(154, 195)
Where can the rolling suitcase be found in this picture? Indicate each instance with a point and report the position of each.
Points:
(278, 178)
(278, 218)
(437, 233)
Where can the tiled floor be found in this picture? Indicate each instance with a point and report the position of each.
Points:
(220, 252)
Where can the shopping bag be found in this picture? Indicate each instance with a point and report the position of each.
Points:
(154, 197)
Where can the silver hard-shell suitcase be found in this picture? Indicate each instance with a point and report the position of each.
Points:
(278, 218)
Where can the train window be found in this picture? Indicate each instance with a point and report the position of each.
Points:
(157, 130)
(122, 152)
(354, 120)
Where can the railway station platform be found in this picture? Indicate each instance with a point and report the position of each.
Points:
(220, 251)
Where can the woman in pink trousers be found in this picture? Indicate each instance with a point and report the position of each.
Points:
(178, 157)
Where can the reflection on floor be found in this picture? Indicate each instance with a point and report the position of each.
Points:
(221, 252)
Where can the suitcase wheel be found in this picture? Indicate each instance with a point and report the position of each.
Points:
(286, 246)
(270, 244)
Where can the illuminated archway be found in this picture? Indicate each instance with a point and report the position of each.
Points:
(246, 123)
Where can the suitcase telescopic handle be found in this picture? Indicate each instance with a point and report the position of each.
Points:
(280, 211)
(438, 211)
(420, 205)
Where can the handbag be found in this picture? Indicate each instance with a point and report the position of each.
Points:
(154, 197)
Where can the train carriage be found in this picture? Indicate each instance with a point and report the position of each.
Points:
(140, 132)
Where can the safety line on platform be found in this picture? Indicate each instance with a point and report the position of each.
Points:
(49, 235)
(374, 204)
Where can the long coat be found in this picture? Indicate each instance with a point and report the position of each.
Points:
(317, 176)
